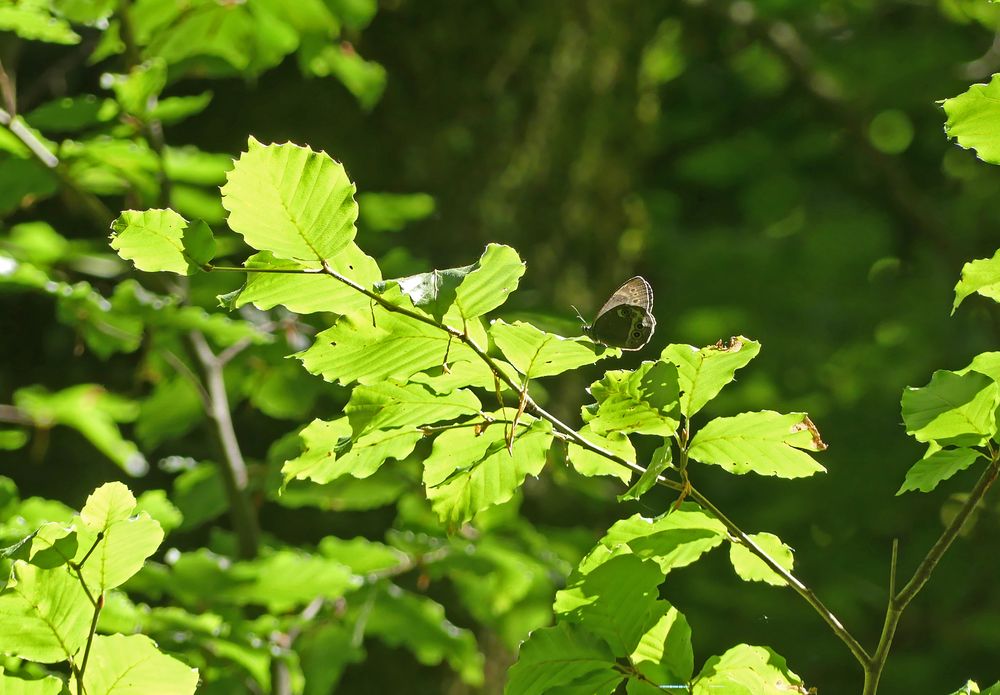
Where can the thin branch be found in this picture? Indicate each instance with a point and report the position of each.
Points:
(15, 416)
(181, 368)
(899, 601)
(235, 468)
(28, 139)
(8, 90)
(797, 585)
(90, 641)
(227, 355)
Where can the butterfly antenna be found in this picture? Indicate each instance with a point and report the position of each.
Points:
(579, 315)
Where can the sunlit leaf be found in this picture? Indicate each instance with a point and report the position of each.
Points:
(664, 654)
(953, 408)
(616, 601)
(131, 664)
(566, 657)
(981, 276)
(535, 353)
(937, 466)
(309, 291)
(661, 459)
(492, 279)
(162, 240)
(675, 539)
(392, 404)
(120, 553)
(766, 443)
(291, 201)
(590, 463)
(330, 452)
(392, 346)
(747, 670)
(751, 568)
(49, 685)
(34, 22)
(51, 612)
(644, 401)
(704, 372)
(973, 117)
(471, 469)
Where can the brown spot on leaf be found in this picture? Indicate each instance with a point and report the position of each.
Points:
(807, 424)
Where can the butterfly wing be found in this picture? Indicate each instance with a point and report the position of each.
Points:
(626, 319)
(635, 292)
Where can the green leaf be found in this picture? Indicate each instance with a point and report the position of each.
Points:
(291, 201)
(617, 601)
(766, 443)
(120, 553)
(675, 539)
(473, 372)
(973, 117)
(106, 327)
(33, 21)
(49, 685)
(127, 664)
(470, 469)
(953, 408)
(644, 401)
(362, 78)
(108, 504)
(664, 654)
(112, 166)
(981, 276)
(390, 212)
(114, 543)
(162, 240)
(330, 452)
(491, 281)
(84, 11)
(71, 114)
(704, 372)
(588, 463)
(287, 579)
(938, 465)
(751, 568)
(171, 411)
(51, 612)
(308, 292)
(747, 670)
(661, 460)
(535, 353)
(172, 110)
(93, 412)
(156, 503)
(391, 404)
(565, 655)
(401, 618)
(392, 346)
(23, 182)
(433, 291)
(137, 91)
(362, 555)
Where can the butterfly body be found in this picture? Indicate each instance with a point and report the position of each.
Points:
(626, 320)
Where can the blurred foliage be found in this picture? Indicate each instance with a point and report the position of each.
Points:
(775, 169)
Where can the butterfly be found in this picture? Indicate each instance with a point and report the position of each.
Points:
(626, 320)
